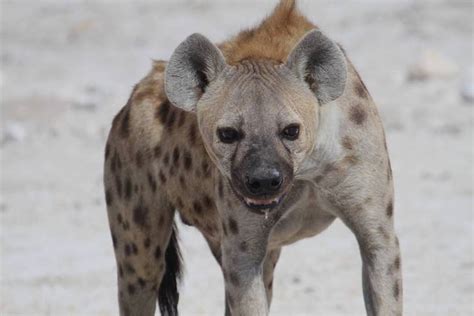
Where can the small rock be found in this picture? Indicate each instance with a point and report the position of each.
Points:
(13, 132)
(431, 65)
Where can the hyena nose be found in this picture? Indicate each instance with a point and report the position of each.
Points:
(266, 183)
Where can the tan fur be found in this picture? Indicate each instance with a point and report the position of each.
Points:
(273, 39)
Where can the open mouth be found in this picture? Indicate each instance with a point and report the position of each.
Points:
(260, 205)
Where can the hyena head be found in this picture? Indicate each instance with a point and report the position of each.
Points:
(258, 119)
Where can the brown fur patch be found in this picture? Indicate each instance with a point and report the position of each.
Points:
(273, 39)
(125, 124)
(357, 114)
(347, 143)
(389, 209)
(162, 112)
(234, 228)
(360, 89)
(140, 215)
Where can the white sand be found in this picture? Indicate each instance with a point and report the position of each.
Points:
(68, 66)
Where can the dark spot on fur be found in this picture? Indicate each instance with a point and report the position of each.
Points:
(162, 112)
(192, 133)
(151, 181)
(197, 207)
(360, 89)
(162, 177)
(128, 189)
(166, 159)
(329, 168)
(243, 246)
(206, 169)
(207, 201)
(383, 233)
(234, 228)
(118, 186)
(140, 215)
(119, 218)
(270, 285)
(347, 143)
(129, 269)
(397, 263)
(134, 248)
(396, 290)
(176, 155)
(158, 252)
(147, 243)
(182, 118)
(125, 126)
(182, 182)
(358, 115)
(389, 210)
(108, 197)
(141, 282)
(318, 179)
(131, 289)
(126, 225)
(157, 151)
(187, 160)
(351, 159)
(172, 171)
(139, 159)
(234, 279)
(161, 221)
(171, 120)
(127, 250)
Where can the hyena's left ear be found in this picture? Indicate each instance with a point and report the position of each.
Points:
(321, 64)
(194, 64)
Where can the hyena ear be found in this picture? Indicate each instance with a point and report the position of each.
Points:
(194, 64)
(321, 64)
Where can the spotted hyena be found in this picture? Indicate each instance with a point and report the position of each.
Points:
(257, 142)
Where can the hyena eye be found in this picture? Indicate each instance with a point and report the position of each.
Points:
(228, 135)
(291, 132)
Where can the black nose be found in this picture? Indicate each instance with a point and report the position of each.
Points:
(264, 183)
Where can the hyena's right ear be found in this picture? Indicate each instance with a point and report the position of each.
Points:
(194, 64)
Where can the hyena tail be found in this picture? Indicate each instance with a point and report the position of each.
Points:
(168, 295)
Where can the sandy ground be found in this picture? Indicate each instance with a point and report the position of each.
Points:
(68, 66)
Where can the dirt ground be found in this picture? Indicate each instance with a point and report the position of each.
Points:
(68, 66)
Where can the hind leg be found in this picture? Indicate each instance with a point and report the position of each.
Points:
(141, 222)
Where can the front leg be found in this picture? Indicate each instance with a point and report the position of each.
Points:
(243, 252)
(373, 227)
(244, 249)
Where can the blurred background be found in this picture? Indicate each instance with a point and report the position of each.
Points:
(68, 66)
